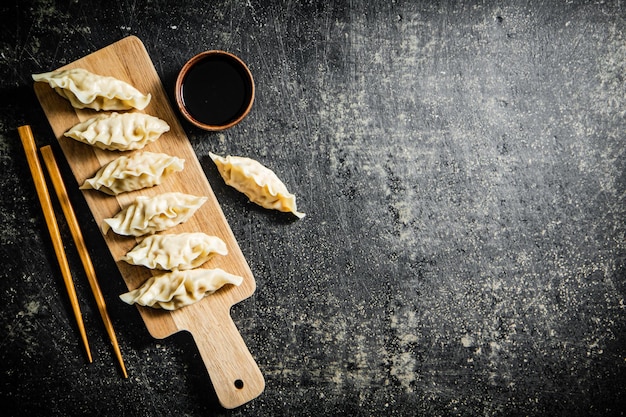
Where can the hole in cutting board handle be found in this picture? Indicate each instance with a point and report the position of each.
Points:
(238, 384)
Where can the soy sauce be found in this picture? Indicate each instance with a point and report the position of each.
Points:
(216, 90)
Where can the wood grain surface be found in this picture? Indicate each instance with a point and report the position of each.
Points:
(234, 373)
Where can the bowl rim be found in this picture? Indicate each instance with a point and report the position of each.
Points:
(180, 81)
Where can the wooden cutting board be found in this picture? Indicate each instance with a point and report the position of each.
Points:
(234, 373)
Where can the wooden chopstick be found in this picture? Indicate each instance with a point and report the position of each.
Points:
(66, 206)
(28, 141)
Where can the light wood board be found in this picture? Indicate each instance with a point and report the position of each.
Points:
(233, 371)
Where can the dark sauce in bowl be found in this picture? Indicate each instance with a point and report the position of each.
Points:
(215, 90)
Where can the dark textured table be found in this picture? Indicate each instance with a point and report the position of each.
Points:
(462, 167)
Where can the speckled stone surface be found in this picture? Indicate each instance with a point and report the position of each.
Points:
(462, 169)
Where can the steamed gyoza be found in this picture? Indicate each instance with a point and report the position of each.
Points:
(84, 89)
(148, 215)
(119, 131)
(257, 182)
(175, 251)
(135, 172)
(176, 289)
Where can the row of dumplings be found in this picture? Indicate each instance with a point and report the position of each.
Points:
(179, 254)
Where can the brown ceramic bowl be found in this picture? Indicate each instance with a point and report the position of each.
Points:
(214, 90)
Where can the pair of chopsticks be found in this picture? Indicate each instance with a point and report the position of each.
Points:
(28, 141)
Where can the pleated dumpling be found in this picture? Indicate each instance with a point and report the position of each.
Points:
(260, 184)
(119, 131)
(135, 172)
(85, 89)
(148, 215)
(177, 289)
(175, 251)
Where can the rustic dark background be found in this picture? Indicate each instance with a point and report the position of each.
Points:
(461, 164)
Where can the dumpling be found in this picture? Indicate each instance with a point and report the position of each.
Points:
(176, 289)
(257, 182)
(119, 131)
(87, 90)
(148, 215)
(135, 172)
(175, 251)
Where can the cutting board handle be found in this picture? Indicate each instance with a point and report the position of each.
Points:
(234, 373)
